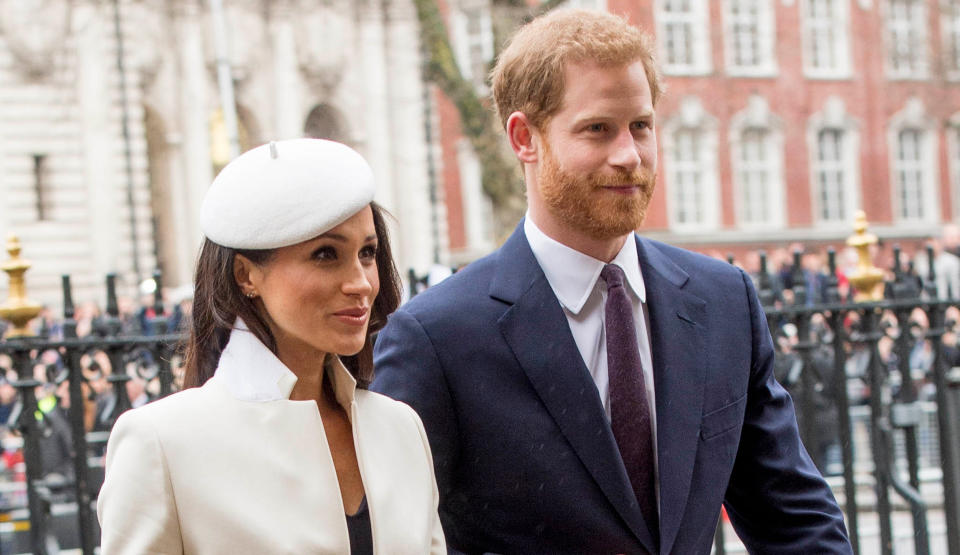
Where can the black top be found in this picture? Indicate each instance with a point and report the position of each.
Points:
(361, 536)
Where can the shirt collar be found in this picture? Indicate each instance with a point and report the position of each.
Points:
(251, 372)
(572, 275)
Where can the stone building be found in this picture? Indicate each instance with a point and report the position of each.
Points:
(111, 127)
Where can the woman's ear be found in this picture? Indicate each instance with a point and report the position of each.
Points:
(247, 275)
(522, 136)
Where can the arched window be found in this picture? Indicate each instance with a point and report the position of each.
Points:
(832, 142)
(690, 158)
(913, 165)
(756, 147)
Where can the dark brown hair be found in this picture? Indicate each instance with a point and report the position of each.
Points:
(218, 302)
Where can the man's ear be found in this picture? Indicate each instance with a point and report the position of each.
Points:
(522, 136)
(247, 275)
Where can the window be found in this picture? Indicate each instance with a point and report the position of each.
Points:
(690, 149)
(909, 174)
(833, 145)
(953, 140)
(831, 177)
(40, 186)
(826, 29)
(755, 177)
(684, 38)
(906, 32)
(473, 40)
(749, 31)
(912, 138)
(687, 178)
(950, 15)
(587, 4)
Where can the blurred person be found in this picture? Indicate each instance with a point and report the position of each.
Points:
(946, 267)
(276, 445)
(585, 389)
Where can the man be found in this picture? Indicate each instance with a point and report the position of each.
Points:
(545, 376)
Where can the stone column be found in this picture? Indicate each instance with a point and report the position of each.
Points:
(287, 86)
(101, 168)
(195, 111)
(372, 83)
(406, 104)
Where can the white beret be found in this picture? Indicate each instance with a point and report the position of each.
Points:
(284, 193)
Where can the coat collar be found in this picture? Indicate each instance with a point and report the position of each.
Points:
(251, 372)
(676, 317)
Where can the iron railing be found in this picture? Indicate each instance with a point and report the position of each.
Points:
(874, 382)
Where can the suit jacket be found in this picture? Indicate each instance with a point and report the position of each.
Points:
(524, 456)
(236, 467)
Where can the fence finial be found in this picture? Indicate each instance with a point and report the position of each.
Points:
(17, 309)
(868, 279)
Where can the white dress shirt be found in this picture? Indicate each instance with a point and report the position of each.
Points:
(575, 280)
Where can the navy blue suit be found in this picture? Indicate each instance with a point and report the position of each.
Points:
(524, 456)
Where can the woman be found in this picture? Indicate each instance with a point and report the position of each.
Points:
(276, 446)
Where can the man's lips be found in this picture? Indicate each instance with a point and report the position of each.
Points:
(623, 189)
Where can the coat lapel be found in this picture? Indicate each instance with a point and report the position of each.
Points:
(536, 329)
(679, 363)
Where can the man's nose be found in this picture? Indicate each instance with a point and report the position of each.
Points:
(624, 152)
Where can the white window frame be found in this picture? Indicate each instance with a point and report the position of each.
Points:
(909, 32)
(765, 27)
(600, 5)
(464, 42)
(698, 21)
(914, 117)
(757, 117)
(834, 116)
(950, 35)
(692, 118)
(953, 161)
(836, 26)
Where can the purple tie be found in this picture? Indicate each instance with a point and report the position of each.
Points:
(629, 409)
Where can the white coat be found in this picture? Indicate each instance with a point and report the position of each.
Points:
(235, 466)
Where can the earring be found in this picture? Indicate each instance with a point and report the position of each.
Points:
(251, 294)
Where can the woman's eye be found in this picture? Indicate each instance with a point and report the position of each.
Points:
(368, 252)
(325, 253)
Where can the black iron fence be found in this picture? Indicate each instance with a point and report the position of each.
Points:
(876, 385)
(70, 391)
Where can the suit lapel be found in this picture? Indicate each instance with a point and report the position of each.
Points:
(679, 363)
(536, 329)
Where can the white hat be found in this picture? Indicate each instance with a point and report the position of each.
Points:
(284, 193)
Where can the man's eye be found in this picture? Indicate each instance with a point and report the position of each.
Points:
(641, 125)
(325, 253)
(597, 127)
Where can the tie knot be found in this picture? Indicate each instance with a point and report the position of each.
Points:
(613, 275)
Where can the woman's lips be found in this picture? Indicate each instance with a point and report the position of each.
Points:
(353, 316)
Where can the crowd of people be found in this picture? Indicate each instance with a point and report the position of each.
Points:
(99, 394)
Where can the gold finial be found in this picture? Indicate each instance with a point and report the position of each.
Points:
(17, 309)
(868, 279)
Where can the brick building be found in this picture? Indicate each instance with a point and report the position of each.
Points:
(781, 118)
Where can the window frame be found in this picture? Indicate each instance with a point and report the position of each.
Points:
(698, 21)
(915, 25)
(837, 25)
(765, 27)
